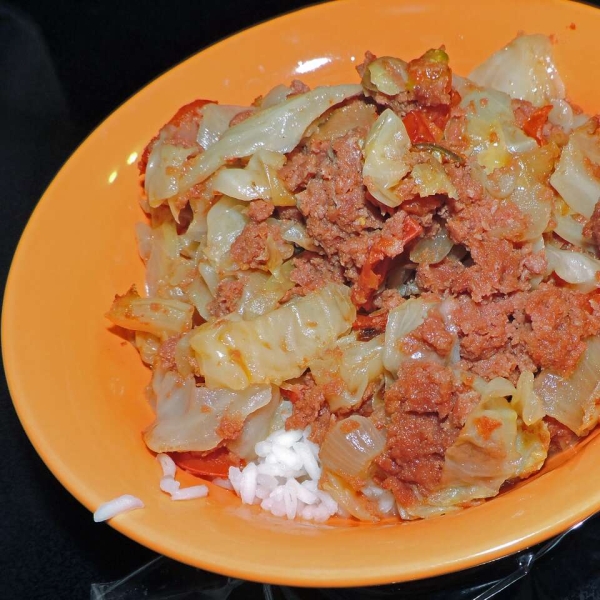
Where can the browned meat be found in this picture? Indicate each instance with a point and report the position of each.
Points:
(260, 210)
(431, 79)
(560, 321)
(432, 335)
(311, 272)
(419, 433)
(338, 216)
(229, 292)
(309, 407)
(260, 246)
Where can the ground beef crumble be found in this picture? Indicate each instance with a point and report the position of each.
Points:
(227, 297)
(327, 180)
(259, 246)
(420, 405)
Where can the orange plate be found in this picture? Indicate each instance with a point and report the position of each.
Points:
(78, 388)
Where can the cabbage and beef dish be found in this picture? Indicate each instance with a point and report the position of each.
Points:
(403, 271)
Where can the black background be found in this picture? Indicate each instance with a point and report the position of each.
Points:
(64, 66)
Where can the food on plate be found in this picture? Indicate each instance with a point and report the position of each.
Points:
(380, 299)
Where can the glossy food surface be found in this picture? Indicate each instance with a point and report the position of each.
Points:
(78, 387)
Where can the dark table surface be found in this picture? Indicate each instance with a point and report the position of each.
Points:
(64, 66)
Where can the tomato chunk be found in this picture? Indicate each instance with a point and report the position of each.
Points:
(213, 464)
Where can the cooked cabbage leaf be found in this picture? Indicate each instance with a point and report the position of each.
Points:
(278, 128)
(401, 321)
(273, 347)
(225, 221)
(523, 69)
(385, 152)
(191, 418)
(494, 446)
(574, 267)
(351, 365)
(491, 129)
(574, 400)
(576, 177)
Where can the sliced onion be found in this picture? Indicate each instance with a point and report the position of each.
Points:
(350, 501)
(573, 400)
(576, 176)
(401, 321)
(499, 387)
(574, 267)
(431, 250)
(350, 447)
(385, 152)
(344, 119)
(526, 402)
(500, 184)
(572, 231)
(431, 179)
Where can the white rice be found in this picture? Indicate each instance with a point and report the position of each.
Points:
(224, 483)
(171, 486)
(169, 468)
(284, 479)
(117, 506)
(191, 492)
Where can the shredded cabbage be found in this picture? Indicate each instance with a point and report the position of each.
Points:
(159, 316)
(162, 173)
(278, 128)
(257, 180)
(572, 231)
(494, 446)
(257, 427)
(225, 221)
